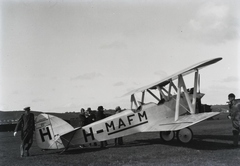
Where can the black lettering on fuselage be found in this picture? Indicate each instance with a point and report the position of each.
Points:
(127, 122)
(140, 116)
(44, 134)
(86, 135)
(129, 118)
(109, 126)
(121, 123)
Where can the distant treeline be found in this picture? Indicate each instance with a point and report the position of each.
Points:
(8, 119)
(7, 127)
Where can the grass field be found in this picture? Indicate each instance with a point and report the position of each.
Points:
(211, 145)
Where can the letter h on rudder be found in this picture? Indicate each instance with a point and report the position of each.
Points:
(44, 134)
(88, 134)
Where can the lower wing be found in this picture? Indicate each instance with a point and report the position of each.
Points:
(169, 124)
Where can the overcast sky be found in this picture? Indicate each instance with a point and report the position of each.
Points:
(63, 55)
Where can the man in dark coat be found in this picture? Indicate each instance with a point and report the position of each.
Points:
(82, 118)
(100, 114)
(234, 115)
(90, 116)
(27, 126)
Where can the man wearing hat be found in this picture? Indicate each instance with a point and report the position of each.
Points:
(100, 114)
(234, 115)
(27, 126)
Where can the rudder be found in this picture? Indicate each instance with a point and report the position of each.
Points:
(49, 128)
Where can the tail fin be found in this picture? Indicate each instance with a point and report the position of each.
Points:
(49, 128)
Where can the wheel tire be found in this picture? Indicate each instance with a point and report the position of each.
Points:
(185, 135)
(167, 136)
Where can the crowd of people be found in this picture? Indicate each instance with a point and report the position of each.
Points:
(87, 117)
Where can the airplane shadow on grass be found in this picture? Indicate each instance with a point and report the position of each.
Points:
(72, 150)
(199, 142)
(83, 150)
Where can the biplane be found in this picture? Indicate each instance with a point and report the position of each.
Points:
(172, 113)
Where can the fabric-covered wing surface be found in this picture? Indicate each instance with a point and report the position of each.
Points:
(184, 72)
(169, 124)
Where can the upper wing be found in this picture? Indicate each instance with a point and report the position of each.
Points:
(184, 72)
(169, 124)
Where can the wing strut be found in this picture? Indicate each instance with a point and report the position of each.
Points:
(133, 100)
(196, 78)
(181, 84)
(153, 95)
(178, 99)
(143, 96)
(162, 95)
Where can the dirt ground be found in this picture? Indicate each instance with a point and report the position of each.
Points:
(211, 145)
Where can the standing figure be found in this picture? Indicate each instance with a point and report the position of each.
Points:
(82, 118)
(234, 115)
(90, 116)
(27, 126)
(119, 140)
(101, 115)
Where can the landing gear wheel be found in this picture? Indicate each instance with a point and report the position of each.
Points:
(185, 135)
(167, 136)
